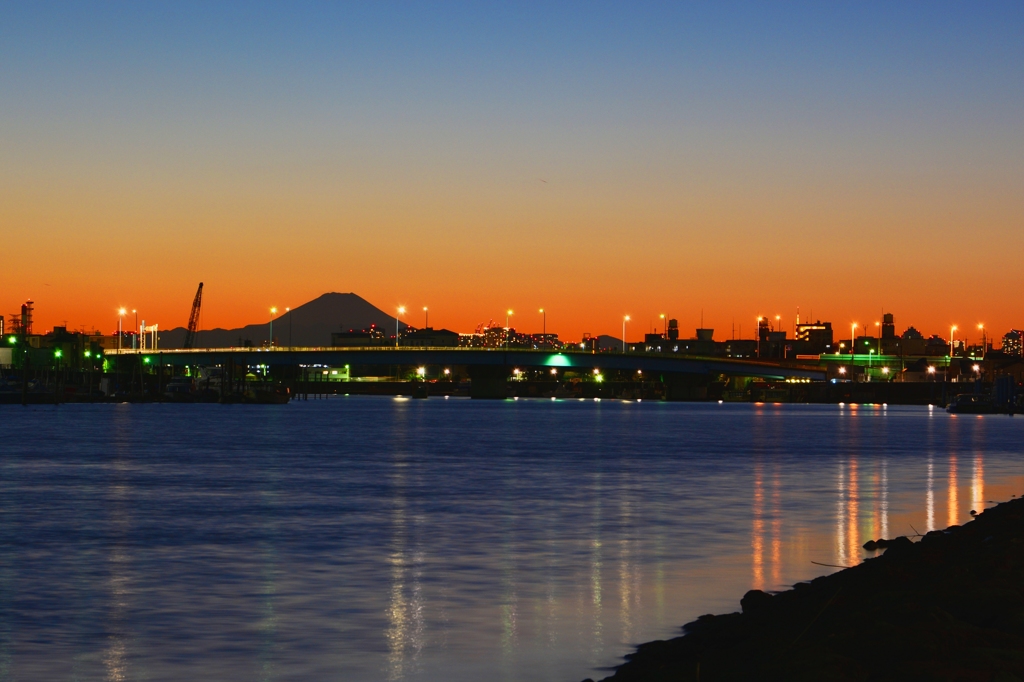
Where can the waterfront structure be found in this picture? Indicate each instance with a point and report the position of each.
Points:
(431, 338)
(1012, 342)
(371, 336)
(814, 337)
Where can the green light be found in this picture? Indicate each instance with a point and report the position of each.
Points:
(558, 360)
(599, 378)
(146, 360)
(88, 354)
(12, 339)
(57, 353)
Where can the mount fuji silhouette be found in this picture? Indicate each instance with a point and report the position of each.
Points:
(310, 324)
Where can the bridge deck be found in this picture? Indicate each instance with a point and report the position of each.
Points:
(512, 357)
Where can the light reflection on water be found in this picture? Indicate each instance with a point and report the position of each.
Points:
(374, 539)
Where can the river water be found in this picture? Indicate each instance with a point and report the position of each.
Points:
(393, 539)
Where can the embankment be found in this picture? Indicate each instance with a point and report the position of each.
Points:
(949, 607)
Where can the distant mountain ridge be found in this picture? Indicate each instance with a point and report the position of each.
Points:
(310, 324)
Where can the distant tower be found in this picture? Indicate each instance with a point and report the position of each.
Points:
(1012, 342)
(26, 317)
(673, 330)
(888, 327)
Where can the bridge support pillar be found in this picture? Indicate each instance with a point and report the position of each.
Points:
(488, 381)
(679, 387)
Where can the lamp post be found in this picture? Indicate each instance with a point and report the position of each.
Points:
(401, 311)
(508, 315)
(121, 313)
(270, 342)
(624, 321)
(544, 324)
(426, 317)
(136, 327)
(952, 334)
(664, 329)
(288, 311)
(984, 341)
(853, 340)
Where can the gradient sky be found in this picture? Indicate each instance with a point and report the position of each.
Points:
(594, 159)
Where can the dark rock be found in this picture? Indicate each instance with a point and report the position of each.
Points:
(755, 600)
(880, 543)
(950, 607)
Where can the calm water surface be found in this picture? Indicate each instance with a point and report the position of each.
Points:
(388, 539)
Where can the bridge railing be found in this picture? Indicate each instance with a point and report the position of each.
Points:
(281, 350)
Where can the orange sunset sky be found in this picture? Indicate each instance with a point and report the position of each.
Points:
(843, 160)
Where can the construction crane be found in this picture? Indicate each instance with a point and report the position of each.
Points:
(193, 319)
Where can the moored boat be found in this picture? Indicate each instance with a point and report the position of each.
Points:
(972, 403)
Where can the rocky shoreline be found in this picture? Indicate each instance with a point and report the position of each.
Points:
(948, 607)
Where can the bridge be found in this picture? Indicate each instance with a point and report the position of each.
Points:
(500, 359)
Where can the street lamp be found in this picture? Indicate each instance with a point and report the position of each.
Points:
(288, 311)
(401, 311)
(624, 321)
(270, 343)
(121, 313)
(508, 314)
(426, 318)
(952, 334)
(544, 324)
(931, 370)
(853, 339)
(984, 341)
(664, 329)
(136, 327)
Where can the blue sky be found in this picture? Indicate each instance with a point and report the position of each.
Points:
(670, 128)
